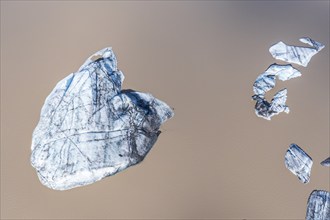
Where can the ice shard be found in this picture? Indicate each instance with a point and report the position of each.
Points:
(326, 162)
(299, 163)
(296, 54)
(265, 82)
(318, 205)
(90, 128)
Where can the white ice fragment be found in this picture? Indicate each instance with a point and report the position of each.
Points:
(265, 82)
(326, 162)
(296, 54)
(318, 205)
(299, 163)
(90, 128)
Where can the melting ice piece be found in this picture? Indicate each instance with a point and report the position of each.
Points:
(326, 162)
(318, 205)
(299, 163)
(265, 82)
(296, 54)
(90, 129)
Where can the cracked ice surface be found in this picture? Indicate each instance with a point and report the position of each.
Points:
(296, 54)
(90, 129)
(265, 82)
(326, 162)
(299, 163)
(318, 205)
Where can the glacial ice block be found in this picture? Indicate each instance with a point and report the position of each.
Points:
(90, 128)
(296, 54)
(326, 162)
(299, 163)
(318, 205)
(265, 82)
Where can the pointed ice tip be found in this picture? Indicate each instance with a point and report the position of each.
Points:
(326, 162)
(107, 52)
(103, 53)
(296, 54)
(317, 45)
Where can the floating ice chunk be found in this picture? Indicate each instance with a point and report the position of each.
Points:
(296, 54)
(265, 82)
(326, 162)
(318, 205)
(299, 163)
(90, 129)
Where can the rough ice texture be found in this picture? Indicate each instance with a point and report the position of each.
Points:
(299, 163)
(266, 110)
(265, 82)
(296, 54)
(318, 205)
(326, 162)
(90, 129)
